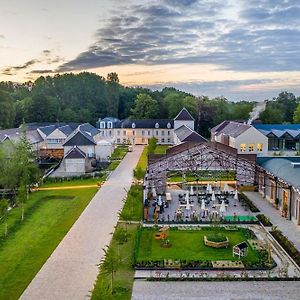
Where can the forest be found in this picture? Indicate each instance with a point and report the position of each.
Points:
(86, 97)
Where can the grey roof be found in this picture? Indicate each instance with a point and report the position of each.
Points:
(184, 115)
(284, 169)
(220, 126)
(75, 152)
(147, 124)
(79, 138)
(47, 129)
(66, 129)
(14, 134)
(186, 134)
(88, 129)
(233, 129)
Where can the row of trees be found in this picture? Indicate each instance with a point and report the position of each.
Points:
(85, 97)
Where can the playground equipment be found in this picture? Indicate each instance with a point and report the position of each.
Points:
(162, 233)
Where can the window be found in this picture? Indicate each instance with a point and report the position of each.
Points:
(55, 141)
(133, 125)
(259, 147)
(168, 125)
(118, 132)
(169, 140)
(243, 147)
(109, 125)
(143, 140)
(102, 125)
(124, 141)
(143, 132)
(162, 132)
(133, 132)
(156, 125)
(162, 140)
(251, 147)
(124, 132)
(118, 141)
(156, 132)
(110, 133)
(149, 133)
(169, 132)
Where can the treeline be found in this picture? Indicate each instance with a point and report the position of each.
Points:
(85, 97)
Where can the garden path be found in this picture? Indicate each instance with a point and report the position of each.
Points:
(288, 228)
(71, 270)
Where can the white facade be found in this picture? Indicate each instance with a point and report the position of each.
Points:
(179, 123)
(75, 165)
(55, 139)
(104, 149)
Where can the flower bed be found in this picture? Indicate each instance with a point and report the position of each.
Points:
(249, 203)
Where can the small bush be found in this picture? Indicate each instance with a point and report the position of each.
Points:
(264, 220)
(249, 203)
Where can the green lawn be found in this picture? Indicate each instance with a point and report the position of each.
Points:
(123, 279)
(48, 217)
(188, 245)
(119, 152)
(203, 176)
(132, 210)
(161, 149)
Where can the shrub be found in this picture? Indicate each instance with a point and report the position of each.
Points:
(287, 245)
(264, 220)
(249, 203)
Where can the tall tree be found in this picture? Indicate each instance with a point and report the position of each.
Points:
(7, 113)
(145, 107)
(296, 118)
(112, 94)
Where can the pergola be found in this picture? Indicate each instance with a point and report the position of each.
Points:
(196, 158)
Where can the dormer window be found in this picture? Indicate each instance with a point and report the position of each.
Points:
(169, 125)
(156, 125)
(102, 125)
(109, 125)
(133, 125)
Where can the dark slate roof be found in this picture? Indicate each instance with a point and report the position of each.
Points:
(233, 129)
(47, 129)
(184, 115)
(279, 130)
(241, 245)
(219, 127)
(195, 137)
(186, 134)
(75, 152)
(284, 169)
(79, 138)
(150, 123)
(67, 129)
(88, 129)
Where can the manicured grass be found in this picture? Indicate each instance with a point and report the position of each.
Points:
(189, 245)
(123, 278)
(119, 152)
(143, 161)
(132, 210)
(48, 217)
(206, 176)
(161, 149)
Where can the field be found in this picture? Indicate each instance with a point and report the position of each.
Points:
(48, 217)
(189, 245)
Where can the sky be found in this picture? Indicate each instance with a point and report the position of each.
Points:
(240, 49)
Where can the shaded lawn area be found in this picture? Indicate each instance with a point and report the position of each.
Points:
(189, 245)
(123, 278)
(48, 217)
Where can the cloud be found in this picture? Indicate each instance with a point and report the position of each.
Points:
(259, 38)
(41, 71)
(13, 69)
(2, 36)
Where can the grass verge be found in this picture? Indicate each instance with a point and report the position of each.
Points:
(48, 217)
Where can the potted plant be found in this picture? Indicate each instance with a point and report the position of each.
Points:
(284, 210)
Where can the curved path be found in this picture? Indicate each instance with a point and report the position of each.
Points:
(71, 270)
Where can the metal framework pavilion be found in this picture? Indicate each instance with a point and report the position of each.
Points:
(196, 158)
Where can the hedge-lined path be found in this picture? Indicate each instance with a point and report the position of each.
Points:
(71, 270)
(288, 228)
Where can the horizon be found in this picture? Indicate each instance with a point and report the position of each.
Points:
(216, 48)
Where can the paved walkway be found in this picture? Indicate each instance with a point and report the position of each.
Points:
(289, 229)
(266, 290)
(71, 270)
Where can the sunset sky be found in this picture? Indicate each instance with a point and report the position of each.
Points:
(241, 49)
